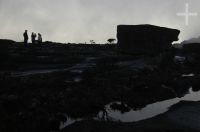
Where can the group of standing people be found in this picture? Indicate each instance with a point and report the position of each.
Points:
(33, 38)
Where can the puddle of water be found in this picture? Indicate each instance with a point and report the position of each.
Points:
(78, 68)
(192, 96)
(145, 113)
(77, 79)
(79, 71)
(188, 75)
(68, 122)
(150, 110)
(33, 72)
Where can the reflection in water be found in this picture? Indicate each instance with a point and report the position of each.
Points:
(151, 110)
(68, 122)
(77, 79)
(188, 75)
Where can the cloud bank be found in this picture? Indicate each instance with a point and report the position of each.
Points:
(84, 20)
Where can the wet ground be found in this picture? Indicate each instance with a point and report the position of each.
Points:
(151, 110)
(50, 88)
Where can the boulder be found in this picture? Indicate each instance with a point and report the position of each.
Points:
(145, 38)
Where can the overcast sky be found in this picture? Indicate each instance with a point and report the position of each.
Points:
(84, 20)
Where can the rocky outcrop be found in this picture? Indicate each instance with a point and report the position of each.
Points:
(145, 38)
(192, 48)
(4, 45)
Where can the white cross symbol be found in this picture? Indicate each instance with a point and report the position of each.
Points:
(187, 14)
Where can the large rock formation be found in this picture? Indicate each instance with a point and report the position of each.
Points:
(145, 38)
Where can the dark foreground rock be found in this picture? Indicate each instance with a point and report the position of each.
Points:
(43, 85)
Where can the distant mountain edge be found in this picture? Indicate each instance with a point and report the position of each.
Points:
(192, 40)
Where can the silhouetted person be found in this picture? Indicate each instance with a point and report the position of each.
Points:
(104, 114)
(39, 39)
(33, 36)
(25, 37)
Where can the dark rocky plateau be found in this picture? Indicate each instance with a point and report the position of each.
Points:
(40, 85)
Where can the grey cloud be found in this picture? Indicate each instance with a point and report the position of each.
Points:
(82, 20)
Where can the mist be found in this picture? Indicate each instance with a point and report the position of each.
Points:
(82, 21)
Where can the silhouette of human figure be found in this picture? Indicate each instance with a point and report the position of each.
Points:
(33, 36)
(25, 37)
(104, 114)
(39, 39)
